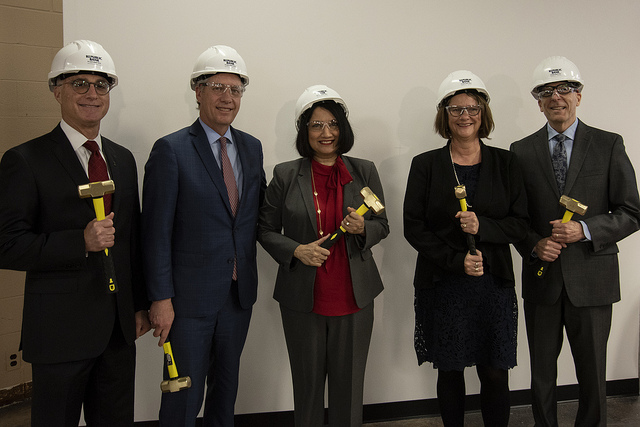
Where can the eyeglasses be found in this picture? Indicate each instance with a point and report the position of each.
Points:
(81, 86)
(318, 126)
(455, 111)
(219, 89)
(563, 89)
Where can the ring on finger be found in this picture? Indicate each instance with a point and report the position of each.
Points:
(477, 269)
(346, 223)
(464, 225)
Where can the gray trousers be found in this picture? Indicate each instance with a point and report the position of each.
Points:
(331, 348)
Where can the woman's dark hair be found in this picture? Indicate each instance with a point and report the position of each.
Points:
(441, 123)
(345, 139)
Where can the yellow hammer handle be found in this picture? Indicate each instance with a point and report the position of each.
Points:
(567, 216)
(463, 204)
(168, 355)
(98, 207)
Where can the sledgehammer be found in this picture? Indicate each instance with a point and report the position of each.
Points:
(461, 195)
(370, 201)
(175, 383)
(97, 190)
(572, 206)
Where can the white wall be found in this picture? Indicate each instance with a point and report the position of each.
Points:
(387, 60)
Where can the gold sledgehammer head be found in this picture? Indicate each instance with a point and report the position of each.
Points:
(573, 205)
(96, 189)
(372, 201)
(461, 191)
(175, 384)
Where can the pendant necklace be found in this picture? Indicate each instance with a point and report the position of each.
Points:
(454, 170)
(317, 203)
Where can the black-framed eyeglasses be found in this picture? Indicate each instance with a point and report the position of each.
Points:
(456, 111)
(318, 126)
(81, 86)
(219, 89)
(563, 89)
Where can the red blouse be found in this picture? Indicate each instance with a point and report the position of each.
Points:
(333, 289)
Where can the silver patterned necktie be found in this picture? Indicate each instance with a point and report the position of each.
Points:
(559, 161)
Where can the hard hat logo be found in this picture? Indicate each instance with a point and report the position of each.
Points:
(230, 63)
(94, 59)
(555, 71)
(464, 82)
(320, 92)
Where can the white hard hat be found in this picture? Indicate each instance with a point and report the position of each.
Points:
(555, 69)
(82, 56)
(460, 80)
(314, 94)
(219, 59)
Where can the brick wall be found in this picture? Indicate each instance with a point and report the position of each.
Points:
(30, 36)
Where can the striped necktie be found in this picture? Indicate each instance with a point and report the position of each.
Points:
(232, 188)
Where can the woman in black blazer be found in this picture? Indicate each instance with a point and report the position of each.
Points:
(465, 303)
(325, 295)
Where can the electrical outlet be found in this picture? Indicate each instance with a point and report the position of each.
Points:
(13, 361)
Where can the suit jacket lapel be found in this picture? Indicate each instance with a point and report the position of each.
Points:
(68, 159)
(541, 147)
(201, 144)
(581, 145)
(306, 191)
(484, 192)
(116, 173)
(349, 191)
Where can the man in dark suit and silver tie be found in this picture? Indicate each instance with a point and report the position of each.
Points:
(568, 157)
(77, 333)
(203, 187)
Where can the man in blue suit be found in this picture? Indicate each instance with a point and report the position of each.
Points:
(203, 187)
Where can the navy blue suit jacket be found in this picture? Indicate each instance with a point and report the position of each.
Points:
(189, 233)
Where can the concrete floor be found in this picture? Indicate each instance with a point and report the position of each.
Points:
(622, 411)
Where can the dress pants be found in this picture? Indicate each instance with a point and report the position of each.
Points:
(105, 385)
(207, 349)
(333, 349)
(588, 332)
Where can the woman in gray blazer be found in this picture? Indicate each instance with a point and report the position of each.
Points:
(325, 295)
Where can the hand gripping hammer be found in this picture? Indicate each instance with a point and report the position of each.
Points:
(461, 195)
(96, 190)
(572, 206)
(174, 384)
(370, 201)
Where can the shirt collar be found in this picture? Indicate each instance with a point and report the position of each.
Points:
(76, 138)
(570, 132)
(214, 136)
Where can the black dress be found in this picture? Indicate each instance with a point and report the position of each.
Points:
(464, 320)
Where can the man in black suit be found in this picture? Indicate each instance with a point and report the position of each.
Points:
(77, 333)
(567, 157)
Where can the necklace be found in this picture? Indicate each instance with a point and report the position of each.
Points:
(453, 165)
(317, 203)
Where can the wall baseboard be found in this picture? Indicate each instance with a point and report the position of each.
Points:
(379, 412)
(15, 394)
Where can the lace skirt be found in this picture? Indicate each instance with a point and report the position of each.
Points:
(464, 321)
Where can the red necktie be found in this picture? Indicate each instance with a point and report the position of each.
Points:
(98, 170)
(232, 188)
